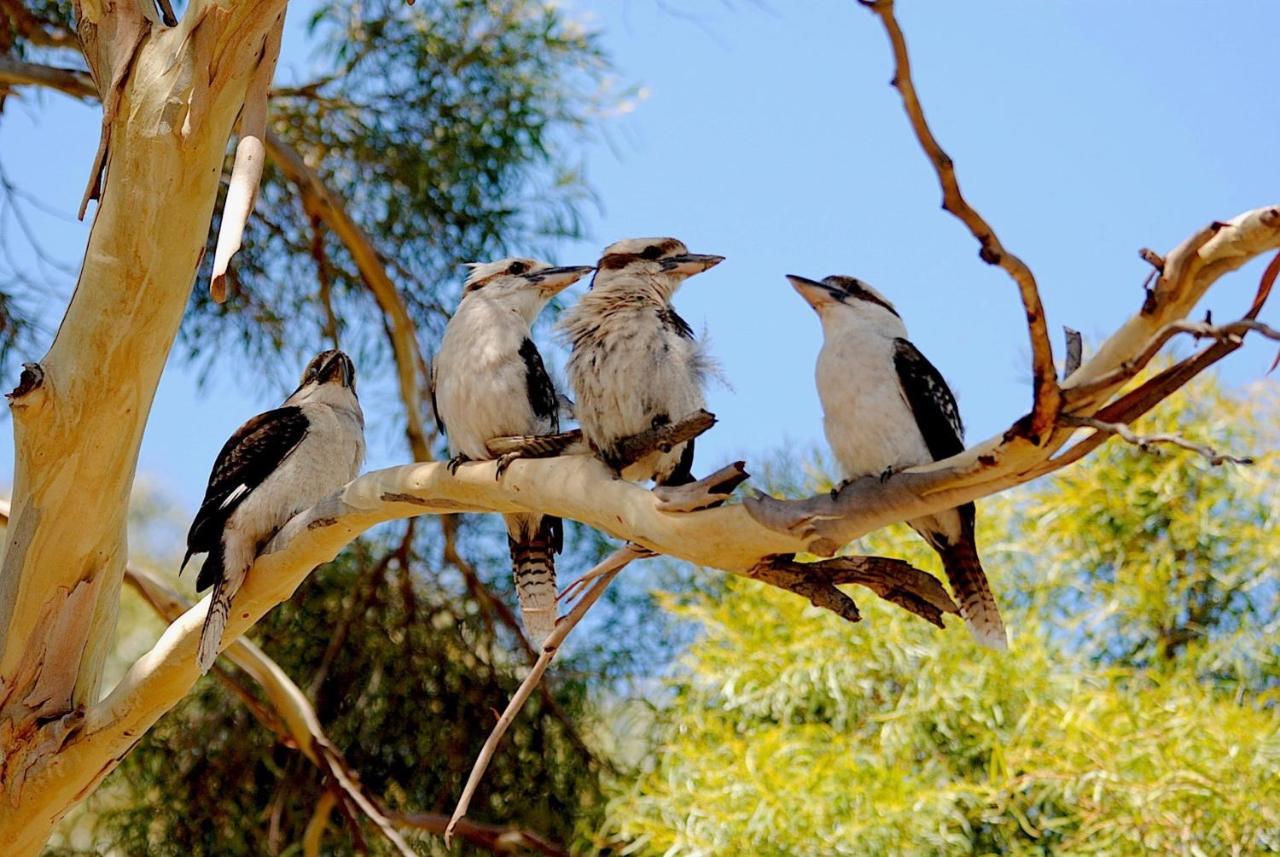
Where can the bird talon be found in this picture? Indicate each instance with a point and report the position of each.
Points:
(504, 461)
(456, 462)
(887, 474)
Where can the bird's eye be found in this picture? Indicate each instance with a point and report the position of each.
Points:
(653, 251)
(517, 268)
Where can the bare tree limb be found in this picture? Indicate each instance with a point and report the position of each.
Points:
(73, 82)
(299, 720)
(606, 571)
(1047, 395)
(313, 836)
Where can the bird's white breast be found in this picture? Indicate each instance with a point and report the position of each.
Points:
(633, 369)
(867, 420)
(481, 380)
(328, 457)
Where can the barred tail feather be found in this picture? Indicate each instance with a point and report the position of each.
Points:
(973, 595)
(534, 542)
(215, 622)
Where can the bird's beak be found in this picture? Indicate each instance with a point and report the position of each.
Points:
(338, 368)
(552, 281)
(818, 295)
(690, 264)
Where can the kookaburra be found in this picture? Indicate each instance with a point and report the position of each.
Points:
(635, 363)
(274, 466)
(886, 408)
(488, 381)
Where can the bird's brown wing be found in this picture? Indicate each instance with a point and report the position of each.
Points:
(249, 457)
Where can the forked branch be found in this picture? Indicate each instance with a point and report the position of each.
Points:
(992, 251)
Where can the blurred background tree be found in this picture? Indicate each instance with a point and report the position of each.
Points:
(1135, 711)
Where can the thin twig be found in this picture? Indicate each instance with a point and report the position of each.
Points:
(610, 566)
(1047, 395)
(1147, 442)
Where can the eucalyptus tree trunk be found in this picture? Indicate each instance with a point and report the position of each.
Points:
(171, 96)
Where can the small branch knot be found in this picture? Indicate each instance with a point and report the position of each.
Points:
(32, 378)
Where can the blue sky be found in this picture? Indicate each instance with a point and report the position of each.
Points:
(768, 134)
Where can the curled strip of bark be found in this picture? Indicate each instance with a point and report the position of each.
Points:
(246, 171)
(606, 570)
(1152, 258)
(1147, 442)
(110, 40)
(893, 580)
(1047, 395)
(1075, 351)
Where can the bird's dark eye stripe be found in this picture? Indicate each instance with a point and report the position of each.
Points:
(614, 261)
(862, 294)
(653, 251)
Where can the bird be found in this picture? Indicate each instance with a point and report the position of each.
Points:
(887, 408)
(488, 380)
(635, 364)
(275, 465)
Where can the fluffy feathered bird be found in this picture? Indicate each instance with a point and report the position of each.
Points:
(488, 381)
(274, 466)
(636, 364)
(886, 408)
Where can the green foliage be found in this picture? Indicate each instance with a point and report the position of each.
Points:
(1135, 712)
